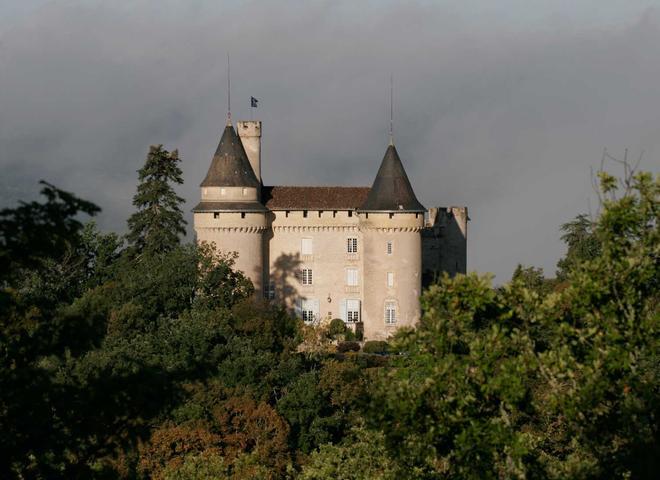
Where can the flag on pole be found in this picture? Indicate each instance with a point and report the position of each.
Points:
(253, 102)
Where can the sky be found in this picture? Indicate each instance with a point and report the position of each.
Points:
(505, 107)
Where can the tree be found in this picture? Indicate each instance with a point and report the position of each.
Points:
(532, 278)
(39, 258)
(509, 384)
(158, 222)
(37, 232)
(582, 245)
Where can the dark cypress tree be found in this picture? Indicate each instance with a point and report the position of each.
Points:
(156, 225)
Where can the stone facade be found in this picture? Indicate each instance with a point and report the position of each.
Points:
(329, 252)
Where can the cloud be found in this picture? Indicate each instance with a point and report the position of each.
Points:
(505, 117)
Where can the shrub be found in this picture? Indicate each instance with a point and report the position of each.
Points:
(344, 347)
(376, 346)
(336, 327)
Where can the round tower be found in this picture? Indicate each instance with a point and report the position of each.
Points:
(230, 213)
(391, 220)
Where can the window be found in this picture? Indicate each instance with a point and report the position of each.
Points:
(390, 279)
(223, 191)
(306, 276)
(389, 247)
(216, 215)
(352, 310)
(309, 310)
(350, 213)
(306, 246)
(244, 191)
(242, 214)
(390, 313)
(352, 277)
(304, 213)
(308, 316)
(269, 291)
(351, 245)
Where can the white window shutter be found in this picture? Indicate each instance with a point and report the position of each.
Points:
(306, 246)
(342, 313)
(317, 310)
(298, 307)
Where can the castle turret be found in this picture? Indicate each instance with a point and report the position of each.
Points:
(391, 220)
(250, 133)
(230, 214)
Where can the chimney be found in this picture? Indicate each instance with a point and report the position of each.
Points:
(250, 133)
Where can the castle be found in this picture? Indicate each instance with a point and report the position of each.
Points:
(357, 253)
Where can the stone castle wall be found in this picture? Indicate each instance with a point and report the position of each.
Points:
(444, 243)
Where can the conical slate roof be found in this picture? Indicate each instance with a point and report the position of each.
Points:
(391, 190)
(230, 166)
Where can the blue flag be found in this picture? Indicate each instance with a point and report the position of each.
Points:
(253, 102)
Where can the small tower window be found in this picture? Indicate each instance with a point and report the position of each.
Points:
(245, 191)
(390, 247)
(216, 215)
(391, 215)
(223, 191)
(306, 246)
(390, 313)
(352, 277)
(242, 214)
(306, 276)
(350, 213)
(304, 213)
(351, 245)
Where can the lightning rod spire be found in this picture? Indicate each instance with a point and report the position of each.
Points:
(391, 110)
(228, 92)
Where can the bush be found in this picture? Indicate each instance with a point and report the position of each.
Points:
(336, 327)
(344, 347)
(376, 346)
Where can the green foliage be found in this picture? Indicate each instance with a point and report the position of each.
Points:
(336, 327)
(158, 362)
(348, 346)
(359, 456)
(507, 383)
(376, 346)
(582, 242)
(532, 279)
(158, 222)
(36, 232)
